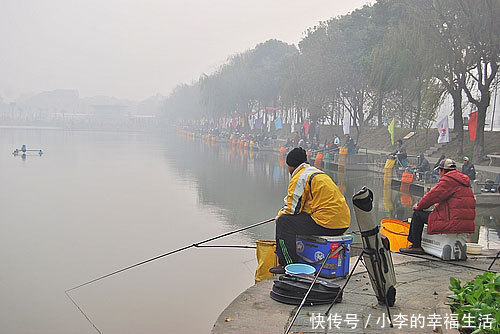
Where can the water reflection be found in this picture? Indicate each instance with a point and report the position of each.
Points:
(99, 201)
(249, 186)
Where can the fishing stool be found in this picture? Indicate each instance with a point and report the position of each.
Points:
(448, 247)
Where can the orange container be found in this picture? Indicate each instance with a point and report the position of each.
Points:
(318, 160)
(397, 233)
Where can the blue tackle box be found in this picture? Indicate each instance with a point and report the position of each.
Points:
(313, 249)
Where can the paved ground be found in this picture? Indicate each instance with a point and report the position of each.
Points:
(422, 287)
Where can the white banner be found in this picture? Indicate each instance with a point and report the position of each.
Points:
(444, 131)
(347, 124)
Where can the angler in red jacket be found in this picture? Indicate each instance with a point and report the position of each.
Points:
(454, 210)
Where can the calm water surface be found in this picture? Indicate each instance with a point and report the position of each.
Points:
(96, 202)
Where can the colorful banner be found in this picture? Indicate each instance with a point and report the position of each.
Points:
(277, 123)
(444, 131)
(306, 126)
(472, 125)
(390, 128)
(347, 124)
(258, 123)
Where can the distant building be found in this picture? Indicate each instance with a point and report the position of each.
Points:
(108, 115)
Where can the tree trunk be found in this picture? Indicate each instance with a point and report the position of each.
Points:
(361, 102)
(402, 110)
(419, 109)
(380, 101)
(458, 120)
(479, 143)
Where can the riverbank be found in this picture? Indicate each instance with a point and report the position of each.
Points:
(379, 139)
(422, 290)
(254, 312)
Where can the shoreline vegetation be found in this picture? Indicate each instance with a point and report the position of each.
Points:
(395, 60)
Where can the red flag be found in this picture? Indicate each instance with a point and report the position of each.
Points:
(306, 126)
(472, 125)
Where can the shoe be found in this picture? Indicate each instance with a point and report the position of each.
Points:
(412, 250)
(278, 270)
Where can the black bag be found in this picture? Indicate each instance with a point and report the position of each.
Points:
(291, 289)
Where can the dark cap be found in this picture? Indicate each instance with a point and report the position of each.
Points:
(296, 157)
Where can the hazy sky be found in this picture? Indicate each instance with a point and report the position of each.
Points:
(134, 49)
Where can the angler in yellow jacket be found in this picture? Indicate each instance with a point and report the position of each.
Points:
(313, 205)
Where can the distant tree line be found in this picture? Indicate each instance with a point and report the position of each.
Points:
(395, 59)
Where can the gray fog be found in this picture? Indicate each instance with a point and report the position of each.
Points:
(134, 49)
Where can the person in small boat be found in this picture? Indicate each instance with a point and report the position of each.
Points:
(454, 207)
(313, 205)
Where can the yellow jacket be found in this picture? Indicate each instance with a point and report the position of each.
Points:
(312, 191)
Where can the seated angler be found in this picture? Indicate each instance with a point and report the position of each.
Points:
(454, 207)
(314, 205)
(422, 167)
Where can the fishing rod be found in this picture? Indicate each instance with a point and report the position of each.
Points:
(227, 246)
(442, 261)
(449, 262)
(170, 253)
(331, 253)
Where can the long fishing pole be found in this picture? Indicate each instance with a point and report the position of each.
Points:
(330, 254)
(227, 246)
(423, 257)
(448, 262)
(169, 253)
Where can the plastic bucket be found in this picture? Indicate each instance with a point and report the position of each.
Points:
(266, 259)
(397, 233)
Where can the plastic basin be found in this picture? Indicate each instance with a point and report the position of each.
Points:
(299, 268)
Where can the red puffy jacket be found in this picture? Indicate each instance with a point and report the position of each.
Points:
(455, 207)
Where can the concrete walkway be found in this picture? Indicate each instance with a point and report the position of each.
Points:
(422, 288)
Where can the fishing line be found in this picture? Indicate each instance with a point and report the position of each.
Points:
(81, 311)
(169, 253)
(196, 245)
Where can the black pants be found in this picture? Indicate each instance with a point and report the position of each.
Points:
(418, 220)
(287, 228)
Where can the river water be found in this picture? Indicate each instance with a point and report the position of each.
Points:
(96, 202)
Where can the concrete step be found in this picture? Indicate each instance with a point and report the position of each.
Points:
(437, 147)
